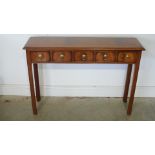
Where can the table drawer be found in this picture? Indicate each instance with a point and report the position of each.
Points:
(105, 56)
(84, 56)
(61, 56)
(127, 57)
(43, 56)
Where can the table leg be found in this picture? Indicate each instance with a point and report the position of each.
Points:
(127, 83)
(30, 72)
(133, 88)
(36, 77)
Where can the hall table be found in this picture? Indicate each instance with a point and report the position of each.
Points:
(83, 50)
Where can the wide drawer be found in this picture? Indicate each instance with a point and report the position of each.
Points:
(84, 56)
(127, 57)
(42, 56)
(105, 56)
(61, 56)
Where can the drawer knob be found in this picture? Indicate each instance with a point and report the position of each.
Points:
(84, 56)
(40, 56)
(127, 55)
(105, 55)
(62, 56)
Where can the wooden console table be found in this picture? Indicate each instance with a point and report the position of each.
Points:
(83, 50)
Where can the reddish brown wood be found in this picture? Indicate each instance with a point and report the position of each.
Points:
(128, 77)
(36, 77)
(133, 88)
(30, 73)
(105, 57)
(84, 56)
(127, 57)
(40, 56)
(83, 50)
(61, 56)
(83, 43)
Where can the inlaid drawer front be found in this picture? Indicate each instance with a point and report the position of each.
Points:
(127, 57)
(61, 56)
(42, 56)
(84, 56)
(105, 57)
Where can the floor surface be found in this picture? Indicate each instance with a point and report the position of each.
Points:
(17, 108)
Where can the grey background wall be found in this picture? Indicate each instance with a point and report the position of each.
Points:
(73, 80)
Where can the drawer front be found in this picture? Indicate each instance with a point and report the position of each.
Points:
(105, 56)
(84, 56)
(127, 57)
(61, 56)
(43, 56)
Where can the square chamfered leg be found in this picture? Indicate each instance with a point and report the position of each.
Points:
(30, 73)
(127, 83)
(36, 77)
(134, 82)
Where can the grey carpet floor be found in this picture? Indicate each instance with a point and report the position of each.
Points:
(17, 108)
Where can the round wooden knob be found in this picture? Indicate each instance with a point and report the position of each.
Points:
(127, 56)
(62, 56)
(84, 56)
(40, 56)
(105, 55)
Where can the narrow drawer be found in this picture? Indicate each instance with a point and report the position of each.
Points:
(43, 56)
(61, 56)
(127, 57)
(105, 56)
(84, 56)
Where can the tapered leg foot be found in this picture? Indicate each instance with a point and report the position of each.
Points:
(36, 77)
(134, 82)
(133, 88)
(30, 73)
(127, 83)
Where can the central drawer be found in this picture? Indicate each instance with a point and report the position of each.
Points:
(84, 56)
